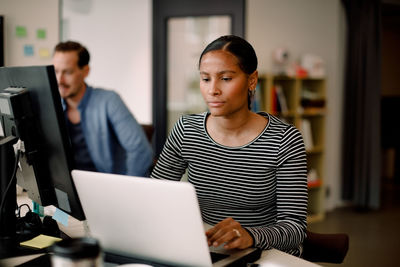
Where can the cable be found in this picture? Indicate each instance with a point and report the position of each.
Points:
(6, 192)
(20, 207)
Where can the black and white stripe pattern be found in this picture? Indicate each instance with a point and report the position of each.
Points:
(262, 185)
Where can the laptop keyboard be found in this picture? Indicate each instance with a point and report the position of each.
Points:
(217, 256)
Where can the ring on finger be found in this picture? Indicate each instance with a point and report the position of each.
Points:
(237, 232)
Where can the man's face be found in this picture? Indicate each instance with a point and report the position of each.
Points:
(70, 77)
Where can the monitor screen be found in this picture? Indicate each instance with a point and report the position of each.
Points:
(45, 169)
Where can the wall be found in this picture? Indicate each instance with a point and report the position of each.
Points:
(124, 64)
(306, 26)
(23, 18)
(118, 35)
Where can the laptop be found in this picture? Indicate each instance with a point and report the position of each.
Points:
(144, 220)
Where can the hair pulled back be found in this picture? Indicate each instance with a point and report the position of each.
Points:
(241, 49)
(237, 46)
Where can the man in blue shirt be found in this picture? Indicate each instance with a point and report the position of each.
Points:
(104, 134)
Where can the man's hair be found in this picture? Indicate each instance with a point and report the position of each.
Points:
(68, 46)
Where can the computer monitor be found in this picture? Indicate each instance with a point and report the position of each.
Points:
(46, 165)
(2, 41)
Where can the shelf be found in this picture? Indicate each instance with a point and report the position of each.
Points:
(302, 103)
(315, 150)
(312, 218)
(312, 112)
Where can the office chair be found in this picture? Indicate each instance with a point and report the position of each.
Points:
(329, 248)
(148, 130)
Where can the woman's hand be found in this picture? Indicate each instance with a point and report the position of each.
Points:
(231, 233)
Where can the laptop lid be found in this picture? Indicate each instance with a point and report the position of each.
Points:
(143, 217)
(155, 220)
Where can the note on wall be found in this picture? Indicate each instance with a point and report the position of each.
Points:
(29, 35)
(28, 50)
(41, 33)
(20, 31)
(44, 53)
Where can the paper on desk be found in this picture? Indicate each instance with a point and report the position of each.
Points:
(61, 217)
(41, 241)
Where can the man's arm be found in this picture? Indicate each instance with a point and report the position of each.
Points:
(131, 136)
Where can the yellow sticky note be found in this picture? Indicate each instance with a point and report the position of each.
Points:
(44, 53)
(41, 241)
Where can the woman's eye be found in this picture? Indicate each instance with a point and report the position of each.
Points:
(226, 78)
(205, 79)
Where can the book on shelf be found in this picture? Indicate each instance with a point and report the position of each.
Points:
(305, 129)
(281, 99)
(278, 103)
(257, 101)
(273, 101)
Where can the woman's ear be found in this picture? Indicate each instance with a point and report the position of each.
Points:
(253, 79)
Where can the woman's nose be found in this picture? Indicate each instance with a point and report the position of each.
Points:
(214, 90)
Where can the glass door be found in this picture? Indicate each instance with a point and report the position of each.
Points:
(181, 30)
(187, 37)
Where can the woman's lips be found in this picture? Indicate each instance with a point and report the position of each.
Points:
(215, 104)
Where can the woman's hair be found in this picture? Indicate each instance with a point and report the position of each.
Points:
(237, 46)
(68, 46)
(241, 49)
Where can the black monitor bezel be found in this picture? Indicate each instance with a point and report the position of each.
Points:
(41, 83)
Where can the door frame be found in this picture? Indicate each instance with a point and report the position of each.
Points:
(162, 11)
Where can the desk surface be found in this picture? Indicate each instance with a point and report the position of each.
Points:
(272, 257)
(269, 258)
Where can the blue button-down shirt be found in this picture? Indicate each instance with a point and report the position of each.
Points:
(115, 140)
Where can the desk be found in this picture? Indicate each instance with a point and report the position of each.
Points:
(269, 258)
(277, 258)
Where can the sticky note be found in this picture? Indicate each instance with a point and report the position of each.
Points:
(20, 31)
(28, 50)
(44, 53)
(61, 217)
(41, 33)
(41, 241)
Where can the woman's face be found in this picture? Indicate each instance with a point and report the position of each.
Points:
(223, 84)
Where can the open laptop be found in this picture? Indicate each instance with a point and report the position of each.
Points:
(152, 221)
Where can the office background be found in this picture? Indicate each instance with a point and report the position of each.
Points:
(118, 35)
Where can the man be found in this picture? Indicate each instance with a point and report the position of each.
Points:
(104, 134)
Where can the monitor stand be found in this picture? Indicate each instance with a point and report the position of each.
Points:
(9, 238)
(8, 194)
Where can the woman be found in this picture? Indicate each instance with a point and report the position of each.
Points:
(249, 169)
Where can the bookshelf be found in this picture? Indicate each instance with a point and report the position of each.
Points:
(301, 102)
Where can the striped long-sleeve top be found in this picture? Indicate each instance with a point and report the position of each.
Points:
(262, 185)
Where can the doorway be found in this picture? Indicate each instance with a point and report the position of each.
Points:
(181, 30)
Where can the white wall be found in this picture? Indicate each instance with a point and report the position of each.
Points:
(306, 26)
(118, 35)
(32, 16)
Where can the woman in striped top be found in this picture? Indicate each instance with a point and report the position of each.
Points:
(249, 169)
